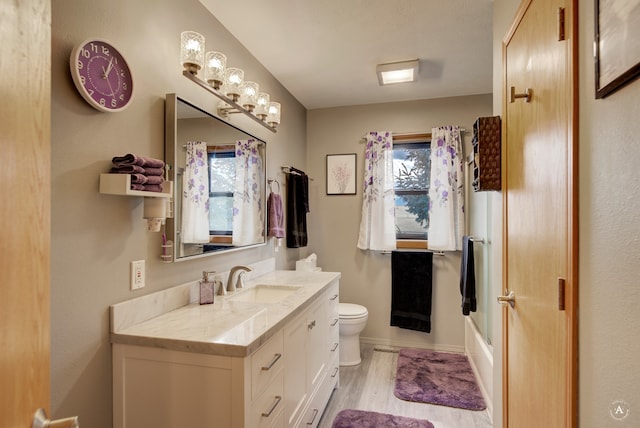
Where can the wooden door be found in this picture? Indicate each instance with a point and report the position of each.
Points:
(540, 227)
(25, 67)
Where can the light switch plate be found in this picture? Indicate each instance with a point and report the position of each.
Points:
(137, 274)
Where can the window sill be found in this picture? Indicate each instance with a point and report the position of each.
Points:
(412, 243)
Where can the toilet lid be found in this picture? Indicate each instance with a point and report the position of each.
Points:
(351, 310)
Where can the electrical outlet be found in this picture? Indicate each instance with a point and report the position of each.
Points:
(137, 274)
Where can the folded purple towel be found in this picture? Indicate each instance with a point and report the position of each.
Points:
(153, 171)
(147, 187)
(128, 169)
(154, 179)
(139, 179)
(132, 159)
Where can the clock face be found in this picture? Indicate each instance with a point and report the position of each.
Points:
(101, 75)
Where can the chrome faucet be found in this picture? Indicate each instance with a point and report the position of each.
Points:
(239, 284)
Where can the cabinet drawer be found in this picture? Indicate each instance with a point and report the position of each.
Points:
(267, 409)
(266, 364)
(318, 403)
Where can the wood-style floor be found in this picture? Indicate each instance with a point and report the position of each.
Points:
(370, 385)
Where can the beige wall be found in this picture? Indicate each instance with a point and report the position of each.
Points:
(334, 220)
(94, 236)
(609, 296)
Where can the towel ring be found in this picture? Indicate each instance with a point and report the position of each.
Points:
(271, 181)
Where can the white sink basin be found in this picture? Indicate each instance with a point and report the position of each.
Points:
(263, 293)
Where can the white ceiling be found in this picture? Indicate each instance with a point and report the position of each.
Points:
(325, 52)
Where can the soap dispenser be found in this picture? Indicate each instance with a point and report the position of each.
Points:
(207, 287)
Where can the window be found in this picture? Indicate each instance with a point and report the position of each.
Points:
(222, 175)
(411, 176)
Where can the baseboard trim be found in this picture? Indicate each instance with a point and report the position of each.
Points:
(411, 344)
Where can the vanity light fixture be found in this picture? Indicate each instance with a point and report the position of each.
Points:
(192, 51)
(273, 115)
(262, 105)
(233, 78)
(226, 83)
(248, 95)
(398, 72)
(215, 64)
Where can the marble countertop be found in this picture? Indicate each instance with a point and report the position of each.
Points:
(229, 326)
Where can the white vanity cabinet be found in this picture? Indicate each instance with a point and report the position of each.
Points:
(284, 383)
(163, 388)
(311, 374)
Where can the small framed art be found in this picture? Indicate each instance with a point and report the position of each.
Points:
(617, 45)
(341, 174)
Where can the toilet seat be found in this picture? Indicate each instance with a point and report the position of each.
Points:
(351, 310)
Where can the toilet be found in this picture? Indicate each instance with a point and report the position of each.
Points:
(353, 319)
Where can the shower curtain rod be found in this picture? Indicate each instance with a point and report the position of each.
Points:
(404, 134)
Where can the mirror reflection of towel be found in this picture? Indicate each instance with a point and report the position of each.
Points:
(411, 273)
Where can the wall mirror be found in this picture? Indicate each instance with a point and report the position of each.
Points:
(219, 179)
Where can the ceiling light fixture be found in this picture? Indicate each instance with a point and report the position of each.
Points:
(398, 72)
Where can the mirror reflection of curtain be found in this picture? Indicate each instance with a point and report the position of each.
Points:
(195, 195)
(377, 226)
(446, 192)
(248, 218)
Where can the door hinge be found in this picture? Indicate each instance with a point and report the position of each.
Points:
(561, 293)
(561, 35)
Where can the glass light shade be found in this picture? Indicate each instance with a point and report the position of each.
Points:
(233, 80)
(262, 105)
(214, 65)
(273, 116)
(191, 51)
(248, 95)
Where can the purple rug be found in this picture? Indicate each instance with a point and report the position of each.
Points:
(365, 419)
(437, 378)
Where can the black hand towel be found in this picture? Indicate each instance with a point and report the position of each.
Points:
(467, 277)
(411, 274)
(297, 205)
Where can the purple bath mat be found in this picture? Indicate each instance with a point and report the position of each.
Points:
(365, 419)
(437, 378)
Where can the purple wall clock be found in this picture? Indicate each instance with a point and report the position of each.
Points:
(101, 75)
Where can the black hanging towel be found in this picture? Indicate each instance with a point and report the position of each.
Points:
(297, 208)
(467, 277)
(411, 273)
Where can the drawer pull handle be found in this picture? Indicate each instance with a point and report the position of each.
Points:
(275, 404)
(334, 297)
(275, 360)
(311, 324)
(335, 346)
(335, 321)
(335, 371)
(315, 413)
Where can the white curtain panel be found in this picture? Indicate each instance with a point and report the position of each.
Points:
(195, 195)
(248, 218)
(446, 191)
(377, 226)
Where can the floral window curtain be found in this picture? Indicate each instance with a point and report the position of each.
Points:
(195, 195)
(248, 218)
(446, 191)
(377, 226)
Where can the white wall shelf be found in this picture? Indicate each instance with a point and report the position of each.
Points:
(120, 184)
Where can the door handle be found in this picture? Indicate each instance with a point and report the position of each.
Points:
(508, 299)
(40, 421)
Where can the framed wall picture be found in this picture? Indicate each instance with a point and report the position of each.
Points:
(617, 44)
(341, 174)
